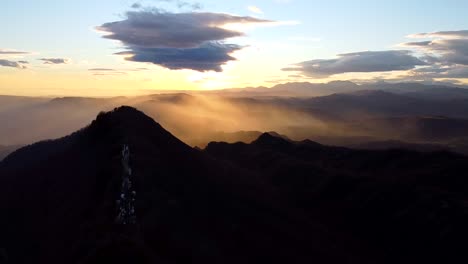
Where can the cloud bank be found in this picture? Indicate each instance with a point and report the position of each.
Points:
(443, 56)
(447, 52)
(193, 40)
(367, 61)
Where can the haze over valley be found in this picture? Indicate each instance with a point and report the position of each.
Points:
(346, 114)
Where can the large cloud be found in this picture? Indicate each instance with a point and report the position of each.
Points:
(13, 64)
(438, 55)
(367, 61)
(448, 53)
(454, 51)
(193, 40)
(208, 56)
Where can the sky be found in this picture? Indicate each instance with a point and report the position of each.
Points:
(121, 47)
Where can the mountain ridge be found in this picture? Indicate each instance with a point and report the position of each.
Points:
(61, 195)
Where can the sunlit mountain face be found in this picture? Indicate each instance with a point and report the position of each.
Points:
(279, 131)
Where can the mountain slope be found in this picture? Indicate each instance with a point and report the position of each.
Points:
(410, 206)
(60, 198)
(6, 150)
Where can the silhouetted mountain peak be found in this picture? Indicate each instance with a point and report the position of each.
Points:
(127, 118)
(123, 115)
(268, 139)
(109, 131)
(275, 134)
(133, 126)
(123, 119)
(122, 111)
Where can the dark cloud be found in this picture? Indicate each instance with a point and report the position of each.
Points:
(207, 57)
(367, 61)
(13, 64)
(54, 60)
(173, 30)
(193, 40)
(12, 52)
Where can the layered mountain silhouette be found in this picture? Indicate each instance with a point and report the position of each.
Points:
(273, 201)
(413, 113)
(58, 200)
(306, 89)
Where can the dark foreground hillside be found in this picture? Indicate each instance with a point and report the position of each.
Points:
(272, 201)
(411, 207)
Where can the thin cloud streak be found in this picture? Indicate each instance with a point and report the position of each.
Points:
(13, 52)
(55, 60)
(13, 64)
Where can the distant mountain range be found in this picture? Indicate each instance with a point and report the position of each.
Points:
(383, 103)
(306, 89)
(274, 200)
(406, 112)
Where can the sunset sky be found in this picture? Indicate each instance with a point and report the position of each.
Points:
(120, 47)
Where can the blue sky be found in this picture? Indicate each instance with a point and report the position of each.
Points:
(345, 25)
(322, 29)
